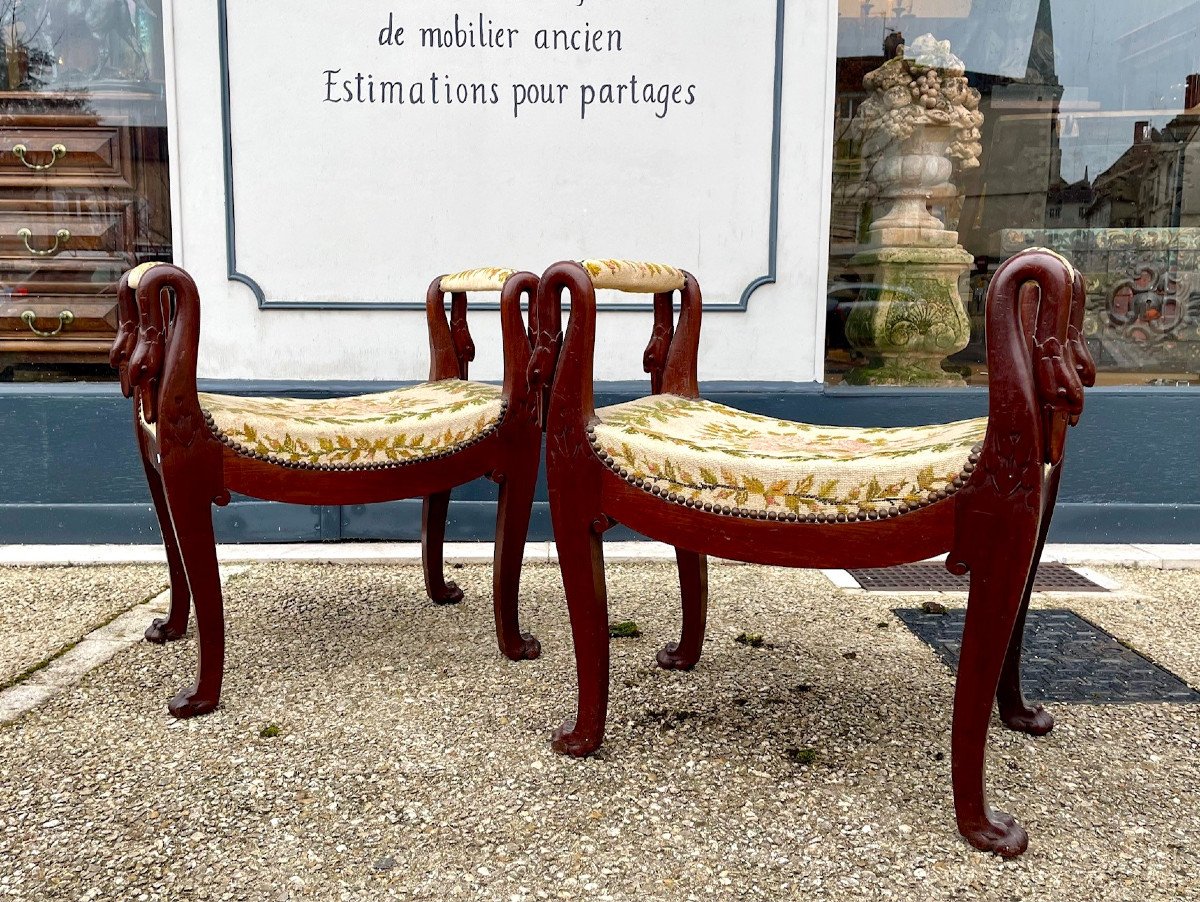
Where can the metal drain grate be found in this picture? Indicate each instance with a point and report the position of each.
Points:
(934, 577)
(1066, 659)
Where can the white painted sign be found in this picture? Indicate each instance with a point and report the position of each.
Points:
(376, 143)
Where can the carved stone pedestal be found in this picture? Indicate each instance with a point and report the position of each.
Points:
(912, 317)
(919, 122)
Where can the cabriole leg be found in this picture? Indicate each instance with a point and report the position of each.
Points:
(433, 537)
(581, 559)
(512, 529)
(997, 586)
(191, 515)
(693, 587)
(174, 625)
(1016, 713)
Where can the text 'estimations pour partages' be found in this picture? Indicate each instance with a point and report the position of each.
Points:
(482, 34)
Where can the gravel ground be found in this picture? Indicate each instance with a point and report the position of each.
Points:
(44, 609)
(412, 762)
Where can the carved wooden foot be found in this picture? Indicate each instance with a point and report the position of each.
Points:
(671, 657)
(173, 626)
(161, 630)
(693, 589)
(517, 484)
(527, 649)
(433, 535)
(1025, 718)
(1015, 712)
(190, 702)
(993, 607)
(191, 514)
(569, 739)
(998, 833)
(446, 594)
(581, 559)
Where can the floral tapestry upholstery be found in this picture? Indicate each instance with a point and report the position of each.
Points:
(491, 278)
(384, 429)
(708, 453)
(631, 276)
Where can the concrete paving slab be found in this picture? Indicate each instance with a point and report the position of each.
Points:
(1174, 557)
(76, 660)
(43, 611)
(1154, 556)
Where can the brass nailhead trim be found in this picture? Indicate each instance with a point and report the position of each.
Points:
(861, 515)
(243, 451)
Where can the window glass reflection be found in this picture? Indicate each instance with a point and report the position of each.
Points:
(1087, 118)
(84, 191)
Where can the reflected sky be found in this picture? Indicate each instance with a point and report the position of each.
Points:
(1118, 62)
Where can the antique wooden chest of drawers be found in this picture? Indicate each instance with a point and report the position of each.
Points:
(83, 197)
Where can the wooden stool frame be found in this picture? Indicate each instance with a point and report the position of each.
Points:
(1038, 365)
(189, 469)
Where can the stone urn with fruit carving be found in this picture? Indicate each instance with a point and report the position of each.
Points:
(918, 127)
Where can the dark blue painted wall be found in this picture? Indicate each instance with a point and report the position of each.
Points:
(69, 470)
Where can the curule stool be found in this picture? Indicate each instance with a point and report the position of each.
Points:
(413, 442)
(709, 479)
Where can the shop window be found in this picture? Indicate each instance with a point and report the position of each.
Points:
(84, 189)
(968, 130)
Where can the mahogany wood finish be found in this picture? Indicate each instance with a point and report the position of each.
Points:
(189, 469)
(994, 526)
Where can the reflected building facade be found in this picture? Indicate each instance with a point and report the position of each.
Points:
(1091, 114)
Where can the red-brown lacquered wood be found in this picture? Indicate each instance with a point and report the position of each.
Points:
(443, 357)
(1015, 711)
(163, 373)
(517, 472)
(545, 340)
(174, 625)
(434, 510)
(188, 469)
(1077, 346)
(671, 364)
(575, 505)
(464, 345)
(517, 481)
(994, 527)
(451, 351)
(680, 375)
(126, 338)
(693, 590)
(1033, 391)
(654, 359)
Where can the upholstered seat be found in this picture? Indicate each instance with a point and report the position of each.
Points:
(368, 431)
(708, 455)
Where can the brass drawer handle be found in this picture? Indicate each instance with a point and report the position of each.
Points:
(64, 319)
(60, 240)
(58, 150)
